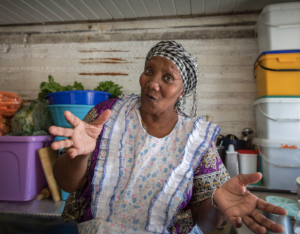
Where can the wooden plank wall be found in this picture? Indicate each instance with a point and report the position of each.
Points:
(224, 46)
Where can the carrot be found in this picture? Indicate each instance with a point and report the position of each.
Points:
(7, 111)
(8, 98)
(7, 114)
(8, 104)
(3, 108)
(9, 94)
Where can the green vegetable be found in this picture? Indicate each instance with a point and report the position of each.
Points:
(32, 120)
(110, 87)
(52, 87)
(78, 86)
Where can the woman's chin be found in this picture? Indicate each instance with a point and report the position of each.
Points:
(149, 110)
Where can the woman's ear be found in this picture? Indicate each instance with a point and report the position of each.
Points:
(181, 95)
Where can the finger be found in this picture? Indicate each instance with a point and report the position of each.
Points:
(236, 221)
(267, 223)
(246, 179)
(61, 144)
(270, 208)
(72, 153)
(254, 226)
(102, 118)
(59, 131)
(72, 119)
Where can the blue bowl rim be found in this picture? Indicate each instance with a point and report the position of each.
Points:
(68, 105)
(77, 91)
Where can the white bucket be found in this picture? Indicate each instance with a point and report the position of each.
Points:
(247, 161)
(280, 163)
(278, 118)
(278, 27)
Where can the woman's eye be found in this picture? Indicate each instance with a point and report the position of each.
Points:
(148, 71)
(168, 78)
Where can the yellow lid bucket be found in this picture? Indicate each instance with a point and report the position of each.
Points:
(278, 73)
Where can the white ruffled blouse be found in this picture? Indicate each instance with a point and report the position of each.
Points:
(140, 180)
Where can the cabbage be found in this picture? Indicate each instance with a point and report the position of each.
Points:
(32, 120)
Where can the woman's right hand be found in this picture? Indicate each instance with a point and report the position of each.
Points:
(82, 137)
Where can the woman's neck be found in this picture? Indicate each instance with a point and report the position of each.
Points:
(159, 125)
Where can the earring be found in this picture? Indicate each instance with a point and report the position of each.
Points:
(180, 97)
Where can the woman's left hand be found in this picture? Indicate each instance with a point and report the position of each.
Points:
(238, 204)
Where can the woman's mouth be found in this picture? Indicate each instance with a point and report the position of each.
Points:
(150, 97)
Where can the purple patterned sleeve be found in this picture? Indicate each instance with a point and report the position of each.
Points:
(78, 204)
(210, 172)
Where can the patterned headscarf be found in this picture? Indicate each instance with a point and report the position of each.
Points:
(186, 64)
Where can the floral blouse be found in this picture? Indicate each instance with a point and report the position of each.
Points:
(209, 173)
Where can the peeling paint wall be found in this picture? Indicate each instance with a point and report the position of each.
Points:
(225, 48)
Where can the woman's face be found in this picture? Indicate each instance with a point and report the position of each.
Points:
(161, 86)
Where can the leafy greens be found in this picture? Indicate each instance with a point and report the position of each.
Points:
(110, 87)
(52, 87)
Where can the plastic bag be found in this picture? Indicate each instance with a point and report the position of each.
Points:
(32, 120)
(10, 103)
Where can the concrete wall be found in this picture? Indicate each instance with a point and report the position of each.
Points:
(225, 47)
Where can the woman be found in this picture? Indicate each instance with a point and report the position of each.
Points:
(144, 165)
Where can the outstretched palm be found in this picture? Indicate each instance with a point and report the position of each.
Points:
(238, 204)
(82, 137)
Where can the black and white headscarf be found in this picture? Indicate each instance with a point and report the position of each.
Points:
(186, 64)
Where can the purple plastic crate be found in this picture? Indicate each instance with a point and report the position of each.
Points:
(21, 173)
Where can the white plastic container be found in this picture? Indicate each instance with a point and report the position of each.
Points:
(278, 118)
(280, 163)
(231, 161)
(278, 27)
(247, 161)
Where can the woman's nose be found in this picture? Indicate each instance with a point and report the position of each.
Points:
(153, 83)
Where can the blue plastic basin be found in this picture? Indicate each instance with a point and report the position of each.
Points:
(57, 113)
(78, 97)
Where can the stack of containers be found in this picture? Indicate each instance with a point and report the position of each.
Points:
(277, 108)
(78, 102)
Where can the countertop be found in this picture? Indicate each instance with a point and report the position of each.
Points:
(41, 217)
(45, 207)
(53, 210)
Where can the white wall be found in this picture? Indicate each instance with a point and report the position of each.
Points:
(224, 46)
